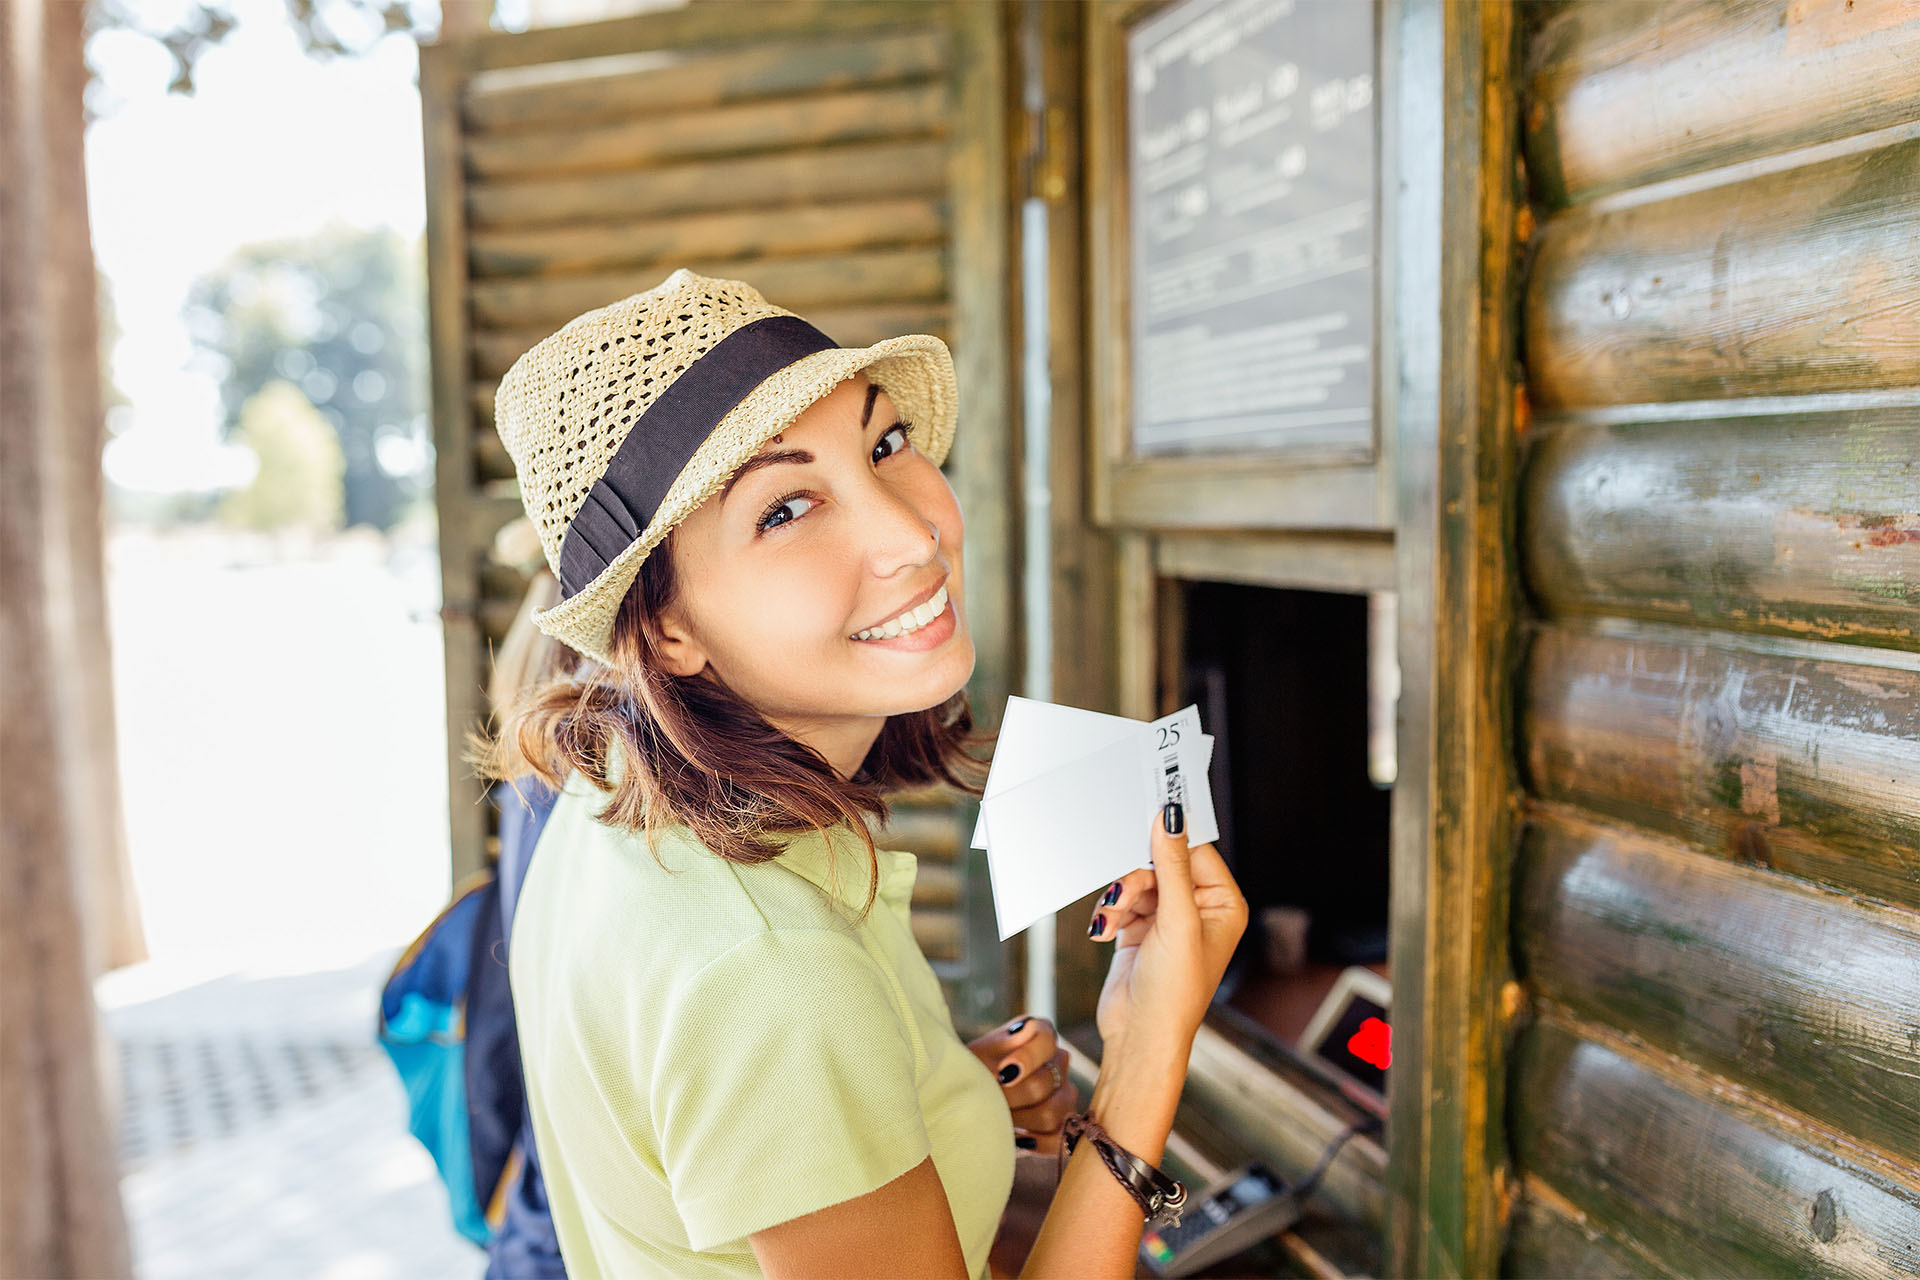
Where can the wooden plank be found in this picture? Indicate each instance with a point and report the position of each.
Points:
(745, 233)
(442, 71)
(1797, 282)
(1806, 525)
(1252, 493)
(941, 934)
(1785, 759)
(491, 461)
(978, 170)
(1552, 1240)
(799, 284)
(1304, 561)
(938, 884)
(1453, 829)
(1652, 1152)
(907, 111)
(1079, 658)
(1416, 133)
(1620, 95)
(702, 36)
(1806, 998)
(929, 834)
(494, 351)
(862, 171)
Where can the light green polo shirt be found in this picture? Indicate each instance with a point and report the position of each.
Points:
(712, 1049)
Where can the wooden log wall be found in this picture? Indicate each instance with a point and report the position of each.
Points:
(1716, 906)
(807, 147)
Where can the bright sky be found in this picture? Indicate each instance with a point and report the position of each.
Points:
(272, 144)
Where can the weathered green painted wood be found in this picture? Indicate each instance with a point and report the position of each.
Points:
(1653, 1152)
(869, 276)
(1802, 281)
(794, 47)
(1802, 763)
(1550, 1239)
(1625, 94)
(743, 234)
(856, 171)
(906, 111)
(1800, 995)
(495, 350)
(1806, 525)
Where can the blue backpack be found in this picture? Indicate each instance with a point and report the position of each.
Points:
(446, 1020)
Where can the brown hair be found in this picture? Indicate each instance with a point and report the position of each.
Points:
(695, 754)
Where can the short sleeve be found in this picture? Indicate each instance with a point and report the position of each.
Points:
(786, 1082)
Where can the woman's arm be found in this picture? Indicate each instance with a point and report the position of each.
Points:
(1176, 926)
(904, 1228)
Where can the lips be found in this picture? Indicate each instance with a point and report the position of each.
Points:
(906, 608)
(909, 618)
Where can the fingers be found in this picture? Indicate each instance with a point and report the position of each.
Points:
(1002, 1040)
(1171, 856)
(1042, 1122)
(1022, 1069)
(1109, 922)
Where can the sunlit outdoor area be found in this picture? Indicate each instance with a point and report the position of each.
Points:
(255, 188)
(269, 476)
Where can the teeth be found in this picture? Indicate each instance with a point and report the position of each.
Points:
(910, 621)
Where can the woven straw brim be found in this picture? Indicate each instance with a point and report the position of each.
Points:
(916, 372)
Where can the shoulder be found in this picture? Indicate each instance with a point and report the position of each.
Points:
(600, 899)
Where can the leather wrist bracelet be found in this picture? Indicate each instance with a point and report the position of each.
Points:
(1155, 1192)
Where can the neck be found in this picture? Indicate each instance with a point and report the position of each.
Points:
(843, 742)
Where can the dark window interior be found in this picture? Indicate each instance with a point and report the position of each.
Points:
(1282, 681)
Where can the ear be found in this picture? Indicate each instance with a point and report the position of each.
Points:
(673, 640)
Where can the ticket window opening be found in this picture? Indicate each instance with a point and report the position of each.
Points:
(1298, 688)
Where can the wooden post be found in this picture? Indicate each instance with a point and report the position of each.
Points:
(60, 1211)
(1456, 798)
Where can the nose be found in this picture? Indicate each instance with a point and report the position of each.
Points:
(901, 536)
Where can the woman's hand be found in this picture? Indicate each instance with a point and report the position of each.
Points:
(1019, 1055)
(1176, 927)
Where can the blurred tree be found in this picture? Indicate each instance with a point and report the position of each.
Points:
(333, 29)
(299, 481)
(340, 315)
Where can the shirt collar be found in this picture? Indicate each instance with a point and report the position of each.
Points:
(838, 867)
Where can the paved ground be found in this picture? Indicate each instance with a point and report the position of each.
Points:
(283, 758)
(264, 1135)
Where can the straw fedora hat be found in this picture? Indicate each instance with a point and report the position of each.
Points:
(622, 423)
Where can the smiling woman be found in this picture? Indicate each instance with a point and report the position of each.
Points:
(738, 1062)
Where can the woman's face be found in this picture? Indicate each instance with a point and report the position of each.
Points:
(790, 575)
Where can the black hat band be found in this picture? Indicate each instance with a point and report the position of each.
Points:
(622, 502)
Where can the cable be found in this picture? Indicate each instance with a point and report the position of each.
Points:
(1367, 1125)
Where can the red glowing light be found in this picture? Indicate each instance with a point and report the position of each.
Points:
(1373, 1044)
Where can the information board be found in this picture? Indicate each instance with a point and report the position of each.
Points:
(1251, 152)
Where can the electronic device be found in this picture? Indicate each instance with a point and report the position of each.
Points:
(1243, 1208)
(1351, 1032)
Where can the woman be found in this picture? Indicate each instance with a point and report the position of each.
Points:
(738, 1063)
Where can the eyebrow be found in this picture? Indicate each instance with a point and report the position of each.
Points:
(759, 460)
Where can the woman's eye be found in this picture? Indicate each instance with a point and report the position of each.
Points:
(770, 518)
(902, 429)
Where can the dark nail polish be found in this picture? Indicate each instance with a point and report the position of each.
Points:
(1099, 924)
(1025, 1143)
(1008, 1072)
(1113, 895)
(1173, 818)
(1014, 1030)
